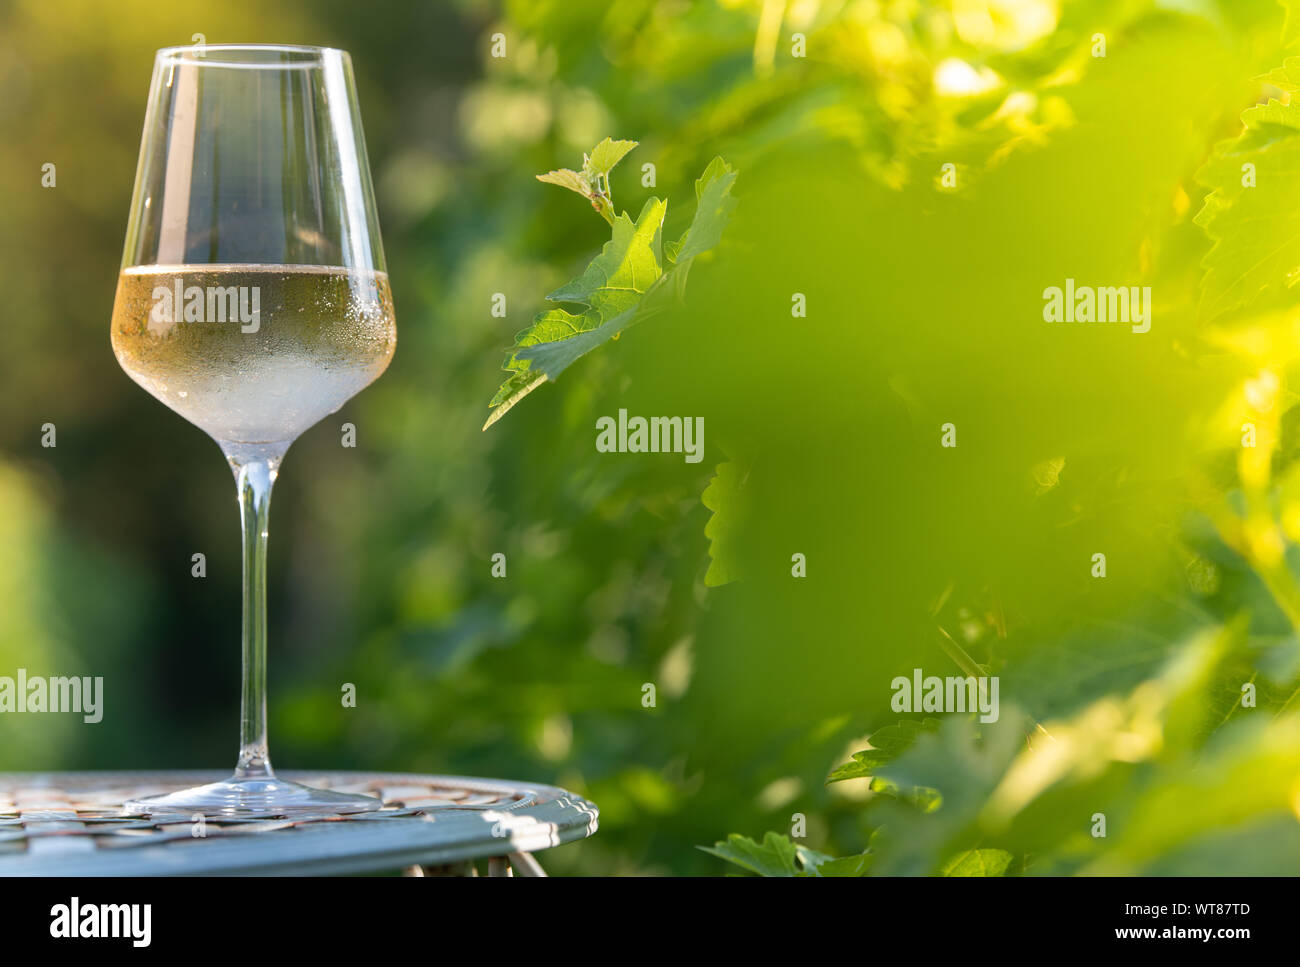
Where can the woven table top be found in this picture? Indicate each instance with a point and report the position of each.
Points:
(71, 824)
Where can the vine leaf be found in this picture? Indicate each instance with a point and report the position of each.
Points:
(723, 496)
(964, 766)
(609, 292)
(775, 856)
(886, 745)
(568, 178)
(605, 155)
(855, 865)
(592, 182)
(624, 284)
(1255, 227)
(713, 207)
(978, 862)
(625, 268)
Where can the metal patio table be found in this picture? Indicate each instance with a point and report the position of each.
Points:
(71, 824)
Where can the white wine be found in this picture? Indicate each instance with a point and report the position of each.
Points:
(253, 353)
(253, 157)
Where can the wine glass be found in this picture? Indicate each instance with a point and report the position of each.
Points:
(253, 301)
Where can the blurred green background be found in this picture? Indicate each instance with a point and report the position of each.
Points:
(924, 308)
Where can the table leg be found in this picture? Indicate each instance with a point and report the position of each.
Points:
(525, 865)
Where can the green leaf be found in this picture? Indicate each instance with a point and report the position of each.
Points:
(610, 290)
(625, 268)
(592, 181)
(723, 496)
(1246, 774)
(886, 744)
(551, 358)
(819, 864)
(978, 862)
(964, 766)
(606, 155)
(775, 856)
(513, 390)
(1255, 230)
(1165, 718)
(713, 207)
(778, 856)
(568, 178)
(1286, 77)
(619, 286)
(810, 859)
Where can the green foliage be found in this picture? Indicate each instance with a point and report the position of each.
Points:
(818, 864)
(978, 862)
(713, 207)
(722, 496)
(1125, 716)
(886, 745)
(1254, 220)
(777, 855)
(620, 285)
(1147, 760)
(592, 182)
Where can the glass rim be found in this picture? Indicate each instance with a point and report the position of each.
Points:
(249, 56)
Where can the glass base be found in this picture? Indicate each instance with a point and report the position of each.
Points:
(266, 796)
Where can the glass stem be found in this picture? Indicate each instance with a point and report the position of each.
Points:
(255, 471)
